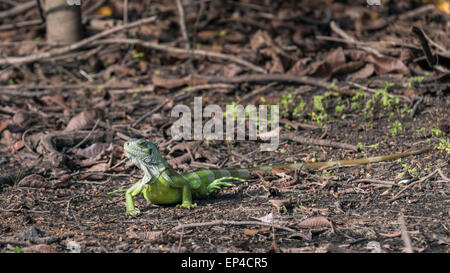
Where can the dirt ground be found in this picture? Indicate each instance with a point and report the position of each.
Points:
(62, 131)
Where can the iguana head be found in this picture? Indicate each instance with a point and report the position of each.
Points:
(146, 156)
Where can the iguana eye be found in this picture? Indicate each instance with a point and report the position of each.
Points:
(142, 144)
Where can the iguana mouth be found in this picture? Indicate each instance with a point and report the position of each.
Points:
(145, 155)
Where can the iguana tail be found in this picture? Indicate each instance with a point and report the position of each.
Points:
(209, 175)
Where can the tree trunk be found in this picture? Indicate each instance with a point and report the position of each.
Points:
(63, 21)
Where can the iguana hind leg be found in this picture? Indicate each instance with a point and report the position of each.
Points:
(186, 202)
(217, 184)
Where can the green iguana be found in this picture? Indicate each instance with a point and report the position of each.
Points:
(163, 185)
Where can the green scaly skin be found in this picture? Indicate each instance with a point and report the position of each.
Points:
(162, 185)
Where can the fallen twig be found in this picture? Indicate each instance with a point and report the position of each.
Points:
(225, 222)
(413, 184)
(74, 46)
(374, 181)
(84, 139)
(445, 178)
(183, 25)
(208, 86)
(405, 236)
(351, 39)
(266, 78)
(320, 142)
(17, 9)
(150, 113)
(425, 41)
(194, 52)
(20, 24)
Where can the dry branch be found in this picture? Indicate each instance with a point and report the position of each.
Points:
(72, 47)
(194, 52)
(320, 142)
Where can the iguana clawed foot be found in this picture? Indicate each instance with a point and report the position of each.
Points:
(218, 184)
(187, 205)
(133, 212)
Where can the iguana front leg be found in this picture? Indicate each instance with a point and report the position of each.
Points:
(137, 188)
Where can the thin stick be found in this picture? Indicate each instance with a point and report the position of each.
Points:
(370, 90)
(72, 47)
(376, 181)
(17, 9)
(349, 38)
(405, 236)
(194, 52)
(84, 139)
(320, 142)
(149, 113)
(21, 24)
(413, 184)
(183, 25)
(445, 178)
(266, 78)
(208, 86)
(125, 12)
(225, 222)
(40, 11)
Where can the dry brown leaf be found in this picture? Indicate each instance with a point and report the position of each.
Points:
(299, 68)
(153, 236)
(231, 70)
(57, 99)
(95, 149)
(276, 65)
(315, 222)
(391, 235)
(385, 65)
(3, 125)
(23, 119)
(170, 83)
(363, 73)
(34, 181)
(335, 57)
(99, 167)
(6, 75)
(18, 145)
(260, 39)
(274, 248)
(250, 232)
(81, 121)
(41, 248)
(348, 67)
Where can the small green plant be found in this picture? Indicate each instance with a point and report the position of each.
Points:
(331, 86)
(317, 103)
(444, 145)
(358, 99)
(138, 55)
(207, 140)
(340, 108)
(375, 145)
(396, 128)
(437, 132)
(414, 79)
(413, 172)
(229, 142)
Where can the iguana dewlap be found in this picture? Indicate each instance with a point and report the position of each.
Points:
(161, 184)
